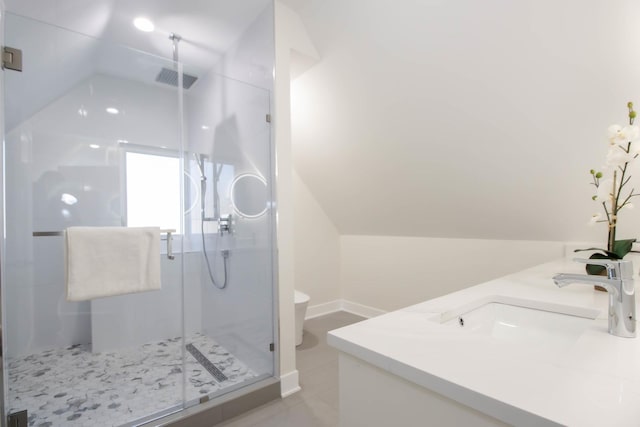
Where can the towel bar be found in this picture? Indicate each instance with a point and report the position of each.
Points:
(169, 232)
(169, 243)
(47, 233)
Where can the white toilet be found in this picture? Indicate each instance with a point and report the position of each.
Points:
(301, 301)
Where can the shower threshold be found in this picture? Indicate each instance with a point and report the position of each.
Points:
(74, 387)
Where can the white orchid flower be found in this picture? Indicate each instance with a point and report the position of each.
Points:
(617, 157)
(619, 135)
(614, 133)
(612, 192)
(632, 132)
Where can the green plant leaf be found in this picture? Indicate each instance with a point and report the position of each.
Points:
(597, 270)
(622, 247)
(605, 255)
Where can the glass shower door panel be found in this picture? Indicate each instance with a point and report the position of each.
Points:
(236, 142)
(73, 117)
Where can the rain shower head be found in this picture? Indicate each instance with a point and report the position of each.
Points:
(170, 77)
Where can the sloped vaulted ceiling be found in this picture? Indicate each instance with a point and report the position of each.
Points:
(78, 38)
(471, 119)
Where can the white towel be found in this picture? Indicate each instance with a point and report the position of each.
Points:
(107, 261)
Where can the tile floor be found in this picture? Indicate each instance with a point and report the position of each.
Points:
(316, 405)
(75, 387)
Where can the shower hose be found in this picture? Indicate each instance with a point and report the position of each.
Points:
(225, 255)
(203, 219)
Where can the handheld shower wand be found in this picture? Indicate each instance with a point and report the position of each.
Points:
(203, 191)
(203, 183)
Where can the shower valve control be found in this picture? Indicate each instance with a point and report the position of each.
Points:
(224, 224)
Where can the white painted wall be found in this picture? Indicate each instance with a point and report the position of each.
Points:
(288, 36)
(389, 272)
(317, 248)
(463, 119)
(383, 273)
(284, 199)
(445, 137)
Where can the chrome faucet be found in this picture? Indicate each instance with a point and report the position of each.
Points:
(622, 295)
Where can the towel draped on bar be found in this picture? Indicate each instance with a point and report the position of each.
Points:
(108, 261)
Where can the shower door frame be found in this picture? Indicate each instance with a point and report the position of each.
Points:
(156, 413)
(3, 385)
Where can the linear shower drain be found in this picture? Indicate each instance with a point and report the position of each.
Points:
(206, 363)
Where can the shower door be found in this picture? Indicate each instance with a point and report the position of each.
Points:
(229, 133)
(91, 139)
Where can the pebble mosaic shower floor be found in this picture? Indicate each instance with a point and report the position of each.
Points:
(74, 387)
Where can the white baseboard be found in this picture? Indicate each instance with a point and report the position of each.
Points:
(361, 310)
(342, 305)
(289, 384)
(322, 309)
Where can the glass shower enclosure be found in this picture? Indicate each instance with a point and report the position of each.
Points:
(102, 136)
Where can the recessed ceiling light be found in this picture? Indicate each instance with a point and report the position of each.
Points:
(123, 141)
(82, 112)
(205, 127)
(95, 146)
(112, 110)
(144, 24)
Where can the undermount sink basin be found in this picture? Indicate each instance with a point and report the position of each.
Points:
(520, 321)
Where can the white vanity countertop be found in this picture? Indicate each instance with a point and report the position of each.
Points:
(593, 381)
